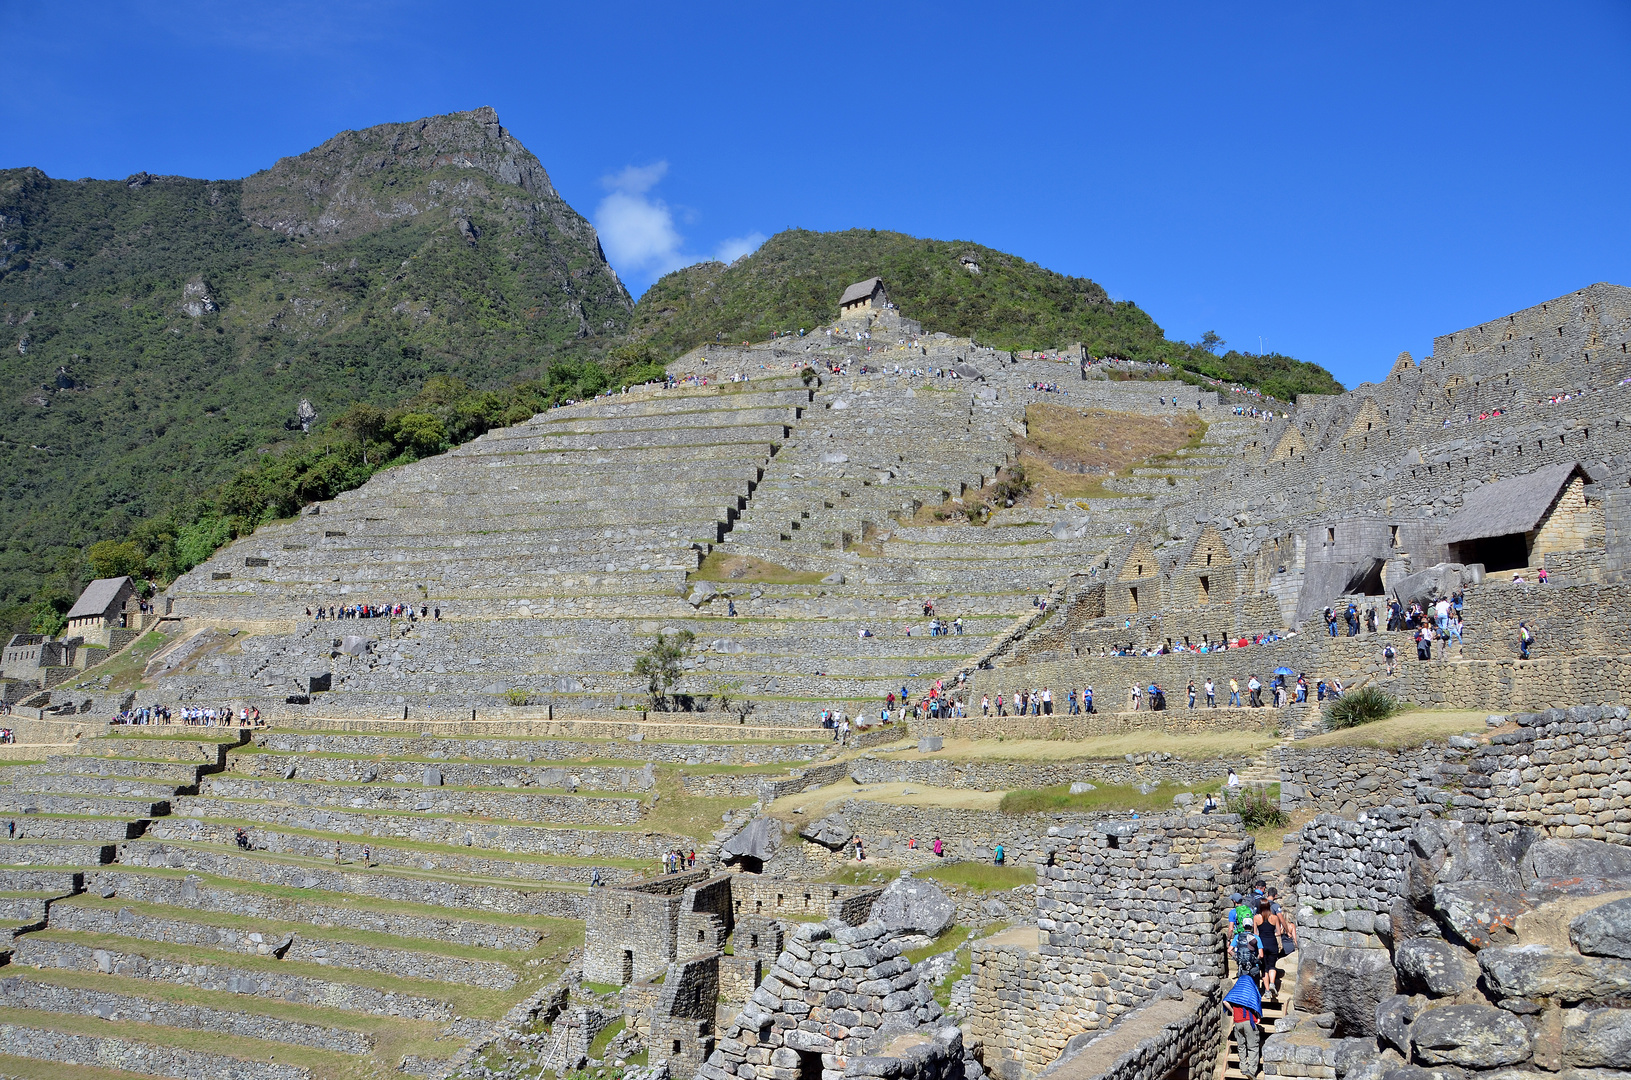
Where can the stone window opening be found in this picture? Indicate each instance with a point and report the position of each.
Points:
(1132, 599)
(1393, 536)
(628, 967)
(1208, 558)
(1206, 590)
(779, 899)
(1115, 841)
(702, 936)
(753, 941)
(676, 1048)
(809, 1065)
(628, 909)
(1330, 536)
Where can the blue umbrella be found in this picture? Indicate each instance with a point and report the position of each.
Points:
(1284, 671)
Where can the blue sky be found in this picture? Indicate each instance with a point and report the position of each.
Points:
(1338, 182)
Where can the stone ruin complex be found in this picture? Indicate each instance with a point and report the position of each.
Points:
(439, 856)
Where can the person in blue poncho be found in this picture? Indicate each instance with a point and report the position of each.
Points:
(1245, 1007)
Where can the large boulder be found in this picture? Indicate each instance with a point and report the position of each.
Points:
(758, 839)
(912, 905)
(1536, 971)
(1577, 859)
(1445, 852)
(1427, 585)
(831, 831)
(1600, 1039)
(1436, 966)
(1481, 915)
(1394, 1016)
(1475, 1036)
(1347, 982)
(1604, 931)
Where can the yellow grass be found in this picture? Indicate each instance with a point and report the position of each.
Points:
(1099, 440)
(719, 566)
(820, 802)
(1405, 730)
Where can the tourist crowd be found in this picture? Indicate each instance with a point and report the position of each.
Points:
(191, 716)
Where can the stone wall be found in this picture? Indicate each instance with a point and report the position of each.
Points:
(20, 992)
(511, 806)
(193, 892)
(521, 839)
(631, 932)
(432, 747)
(1106, 896)
(152, 1059)
(487, 974)
(1172, 1038)
(1011, 775)
(1331, 778)
(285, 987)
(563, 902)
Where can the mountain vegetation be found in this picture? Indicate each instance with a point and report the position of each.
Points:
(161, 334)
(186, 359)
(962, 288)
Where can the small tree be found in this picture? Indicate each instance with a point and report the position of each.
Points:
(115, 558)
(732, 701)
(662, 664)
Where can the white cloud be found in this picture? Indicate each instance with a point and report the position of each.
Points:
(734, 248)
(636, 179)
(638, 232)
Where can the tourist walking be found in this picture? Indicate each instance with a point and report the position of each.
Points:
(1525, 640)
(1211, 695)
(1245, 1007)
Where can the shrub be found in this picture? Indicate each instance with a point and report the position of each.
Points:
(518, 696)
(1257, 808)
(1361, 707)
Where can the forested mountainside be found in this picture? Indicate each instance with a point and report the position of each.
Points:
(956, 286)
(161, 333)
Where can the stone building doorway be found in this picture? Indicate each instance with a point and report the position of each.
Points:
(809, 1065)
(628, 967)
(1509, 552)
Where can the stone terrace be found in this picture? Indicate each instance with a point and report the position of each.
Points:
(319, 904)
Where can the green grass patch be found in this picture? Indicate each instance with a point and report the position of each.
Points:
(600, 987)
(1104, 797)
(952, 938)
(982, 877)
(597, 1049)
(862, 873)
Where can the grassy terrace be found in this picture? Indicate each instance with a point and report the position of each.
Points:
(406, 872)
(466, 1000)
(344, 900)
(397, 843)
(541, 763)
(393, 1036)
(1406, 730)
(559, 935)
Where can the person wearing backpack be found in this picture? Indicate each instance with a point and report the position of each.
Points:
(1246, 948)
(1245, 1007)
(1525, 639)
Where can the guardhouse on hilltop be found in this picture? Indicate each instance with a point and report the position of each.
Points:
(100, 609)
(863, 297)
